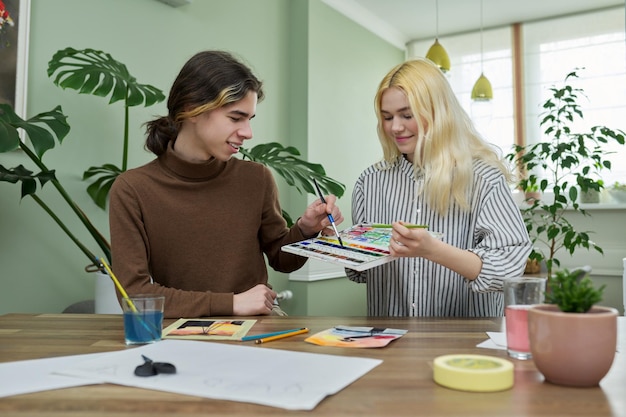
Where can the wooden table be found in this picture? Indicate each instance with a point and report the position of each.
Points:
(401, 386)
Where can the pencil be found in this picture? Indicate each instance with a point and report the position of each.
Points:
(282, 336)
(388, 226)
(330, 216)
(265, 335)
(118, 285)
(130, 303)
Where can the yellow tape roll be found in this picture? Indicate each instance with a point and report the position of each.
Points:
(476, 373)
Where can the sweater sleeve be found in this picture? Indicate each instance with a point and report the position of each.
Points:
(274, 232)
(130, 247)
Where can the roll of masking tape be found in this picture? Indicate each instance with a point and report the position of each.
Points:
(478, 373)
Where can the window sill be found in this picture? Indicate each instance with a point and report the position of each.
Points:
(602, 206)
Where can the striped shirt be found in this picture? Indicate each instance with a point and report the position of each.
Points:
(493, 229)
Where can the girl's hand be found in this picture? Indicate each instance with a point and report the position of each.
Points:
(414, 242)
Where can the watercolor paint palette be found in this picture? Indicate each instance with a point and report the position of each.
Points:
(365, 246)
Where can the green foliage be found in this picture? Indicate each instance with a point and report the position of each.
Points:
(618, 186)
(573, 292)
(296, 172)
(570, 162)
(89, 71)
(44, 131)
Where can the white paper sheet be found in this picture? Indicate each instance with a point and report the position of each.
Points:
(278, 378)
(23, 377)
(497, 340)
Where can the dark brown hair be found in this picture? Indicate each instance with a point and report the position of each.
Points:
(209, 80)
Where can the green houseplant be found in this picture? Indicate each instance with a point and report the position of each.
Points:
(573, 292)
(563, 332)
(566, 165)
(44, 131)
(89, 71)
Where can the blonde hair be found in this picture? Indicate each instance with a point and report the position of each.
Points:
(448, 143)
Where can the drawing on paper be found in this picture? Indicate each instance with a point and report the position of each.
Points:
(208, 329)
(356, 337)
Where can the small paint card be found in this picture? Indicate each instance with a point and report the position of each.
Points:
(356, 337)
(208, 329)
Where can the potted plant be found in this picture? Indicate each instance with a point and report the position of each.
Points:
(573, 341)
(591, 196)
(564, 165)
(90, 71)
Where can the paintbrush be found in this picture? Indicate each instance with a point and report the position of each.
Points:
(330, 216)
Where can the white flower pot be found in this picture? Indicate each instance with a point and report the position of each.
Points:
(105, 296)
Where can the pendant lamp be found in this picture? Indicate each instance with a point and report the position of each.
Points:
(482, 90)
(436, 52)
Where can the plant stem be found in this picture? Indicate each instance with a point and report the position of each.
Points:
(100, 240)
(125, 149)
(58, 221)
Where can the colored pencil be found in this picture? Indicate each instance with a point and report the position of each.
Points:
(282, 336)
(118, 285)
(388, 226)
(265, 335)
(149, 327)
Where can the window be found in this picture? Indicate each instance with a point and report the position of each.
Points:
(551, 49)
(595, 42)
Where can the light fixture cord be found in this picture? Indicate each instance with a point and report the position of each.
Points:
(481, 37)
(437, 19)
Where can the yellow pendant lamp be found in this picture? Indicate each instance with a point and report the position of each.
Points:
(482, 90)
(436, 52)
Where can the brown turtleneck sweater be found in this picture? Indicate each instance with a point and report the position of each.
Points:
(199, 230)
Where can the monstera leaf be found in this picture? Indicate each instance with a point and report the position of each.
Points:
(89, 71)
(43, 131)
(295, 171)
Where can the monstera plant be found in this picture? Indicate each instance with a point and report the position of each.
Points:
(87, 71)
(43, 131)
(95, 72)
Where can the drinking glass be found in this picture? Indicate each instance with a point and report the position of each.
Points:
(520, 294)
(143, 318)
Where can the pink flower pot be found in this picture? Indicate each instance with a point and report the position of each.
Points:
(574, 349)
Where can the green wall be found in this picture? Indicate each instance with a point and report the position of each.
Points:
(320, 72)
